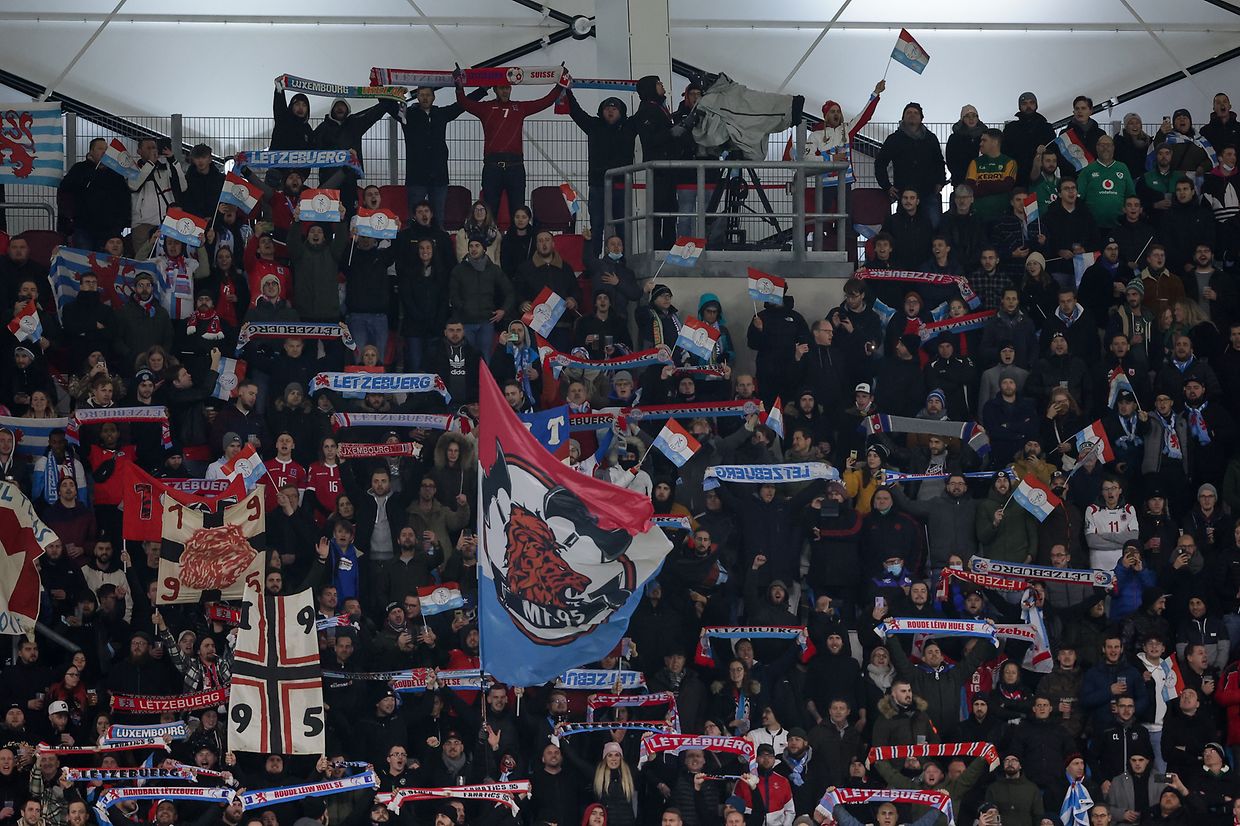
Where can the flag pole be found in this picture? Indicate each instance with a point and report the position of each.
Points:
(887, 68)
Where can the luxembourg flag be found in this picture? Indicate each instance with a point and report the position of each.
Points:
(545, 312)
(436, 599)
(765, 287)
(774, 418)
(676, 443)
(231, 372)
(117, 158)
(698, 338)
(1081, 262)
(240, 193)
(1094, 437)
(1035, 497)
(184, 227)
(1031, 208)
(1071, 147)
(319, 205)
(910, 53)
(26, 325)
(376, 223)
(1119, 383)
(686, 252)
(247, 464)
(570, 198)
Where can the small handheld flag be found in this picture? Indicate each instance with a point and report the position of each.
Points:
(774, 418)
(909, 52)
(184, 227)
(676, 443)
(570, 197)
(376, 223)
(1031, 208)
(698, 338)
(117, 158)
(240, 193)
(1034, 496)
(1081, 262)
(231, 372)
(26, 325)
(1072, 148)
(436, 599)
(765, 287)
(1119, 384)
(546, 311)
(1094, 438)
(685, 252)
(247, 464)
(319, 205)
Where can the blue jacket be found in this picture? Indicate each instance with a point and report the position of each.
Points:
(1096, 691)
(1130, 583)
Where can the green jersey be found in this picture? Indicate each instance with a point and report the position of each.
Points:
(1103, 188)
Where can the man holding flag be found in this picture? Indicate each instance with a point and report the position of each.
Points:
(98, 196)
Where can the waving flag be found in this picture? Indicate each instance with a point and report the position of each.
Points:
(115, 276)
(33, 144)
(1094, 438)
(570, 198)
(319, 205)
(26, 325)
(32, 434)
(766, 288)
(231, 372)
(1081, 262)
(686, 252)
(698, 337)
(436, 599)
(247, 465)
(1119, 383)
(23, 538)
(546, 311)
(563, 557)
(185, 227)
(551, 428)
(909, 52)
(240, 193)
(1031, 208)
(774, 418)
(376, 223)
(1072, 148)
(1034, 496)
(676, 443)
(117, 158)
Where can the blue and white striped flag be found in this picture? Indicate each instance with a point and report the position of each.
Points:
(32, 144)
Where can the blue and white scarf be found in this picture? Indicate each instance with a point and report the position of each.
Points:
(1076, 804)
(386, 383)
(796, 766)
(985, 629)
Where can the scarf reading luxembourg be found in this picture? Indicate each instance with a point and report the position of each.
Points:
(322, 788)
(1074, 811)
(93, 775)
(940, 279)
(961, 324)
(704, 656)
(298, 158)
(1077, 576)
(364, 450)
(938, 799)
(985, 629)
(142, 704)
(421, 421)
(99, 415)
(501, 793)
(496, 76)
(988, 581)
(595, 679)
(772, 474)
(291, 83)
(964, 431)
(319, 330)
(976, 749)
(676, 743)
(129, 745)
(385, 383)
(121, 734)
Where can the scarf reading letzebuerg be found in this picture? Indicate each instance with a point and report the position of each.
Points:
(633, 725)
(99, 415)
(989, 581)
(705, 656)
(128, 745)
(299, 159)
(657, 698)
(975, 749)
(321, 330)
(967, 432)
(502, 793)
(916, 276)
(700, 410)
(420, 421)
(122, 734)
(594, 679)
(385, 383)
(676, 743)
(772, 474)
(140, 704)
(1078, 576)
(985, 629)
(938, 799)
(961, 324)
(363, 450)
(267, 797)
(92, 775)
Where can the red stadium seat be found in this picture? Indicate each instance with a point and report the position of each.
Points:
(456, 208)
(550, 209)
(868, 205)
(42, 242)
(396, 198)
(572, 250)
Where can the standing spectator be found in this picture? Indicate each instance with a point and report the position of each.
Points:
(292, 129)
(158, 185)
(776, 334)
(610, 139)
(422, 284)
(426, 150)
(910, 228)
(1224, 127)
(97, 198)
(368, 290)
(142, 322)
(1026, 136)
(481, 296)
(203, 182)
(916, 160)
(341, 128)
(962, 146)
(1084, 128)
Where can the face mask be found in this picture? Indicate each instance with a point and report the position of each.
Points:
(894, 570)
(615, 256)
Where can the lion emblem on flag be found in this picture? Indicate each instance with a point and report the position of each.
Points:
(17, 142)
(555, 570)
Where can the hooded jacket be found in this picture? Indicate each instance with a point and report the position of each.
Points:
(610, 144)
(347, 133)
(902, 727)
(951, 523)
(653, 124)
(1021, 139)
(940, 686)
(315, 293)
(290, 131)
(426, 143)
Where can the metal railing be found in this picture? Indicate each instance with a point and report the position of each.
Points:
(801, 171)
(40, 206)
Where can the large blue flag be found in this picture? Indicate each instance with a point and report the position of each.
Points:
(32, 144)
(562, 557)
(550, 428)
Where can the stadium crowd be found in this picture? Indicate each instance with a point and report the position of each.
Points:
(1140, 713)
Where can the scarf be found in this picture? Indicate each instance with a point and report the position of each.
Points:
(151, 413)
(796, 766)
(147, 306)
(388, 383)
(988, 581)
(593, 728)
(51, 476)
(964, 431)
(265, 797)
(1080, 576)
(771, 474)
(423, 421)
(917, 132)
(676, 743)
(119, 734)
(705, 655)
(299, 158)
(212, 329)
(359, 450)
(147, 704)
(1130, 439)
(1076, 804)
(742, 710)
(985, 629)
(319, 330)
(980, 749)
(937, 798)
(597, 679)
(523, 357)
(503, 794)
(881, 677)
(1197, 423)
(1068, 321)
(1171, 440)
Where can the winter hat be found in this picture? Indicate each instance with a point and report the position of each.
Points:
(268, 277)
(966, 109)
(1183, 112)
(826, 107)
(912, 104)
(1036, 256)
(621, 375)
(1076, 755)
(936, 393)
(1024, 96)
(1135, 284)
(612, 748)
(880, 449)
(143, 276)
(1207, 488)
(231, 437)
(1222, 753)
(660, 289)
(736, 802)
